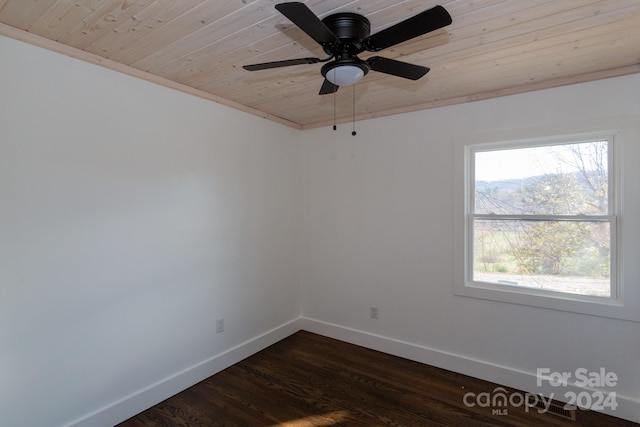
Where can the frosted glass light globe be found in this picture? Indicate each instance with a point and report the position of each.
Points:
(345, 75)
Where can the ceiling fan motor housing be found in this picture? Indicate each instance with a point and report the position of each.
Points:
(350, 28)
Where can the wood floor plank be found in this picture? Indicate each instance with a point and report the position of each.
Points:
(308, 380)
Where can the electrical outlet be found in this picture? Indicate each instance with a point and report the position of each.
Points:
(374, 311)
(219, 325)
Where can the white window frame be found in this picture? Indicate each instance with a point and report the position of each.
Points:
(615, 306)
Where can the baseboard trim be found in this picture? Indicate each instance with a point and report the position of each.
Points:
(137, 402)
(628, 408)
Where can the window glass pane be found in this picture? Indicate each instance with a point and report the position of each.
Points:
(562, 256)
(569, 179)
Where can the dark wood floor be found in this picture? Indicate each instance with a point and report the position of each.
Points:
(310, 380)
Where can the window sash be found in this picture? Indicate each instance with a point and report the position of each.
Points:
(545, 142)
(574, 218)
(614, 294)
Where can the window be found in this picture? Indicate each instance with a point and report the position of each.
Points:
(541, 218)
(541, 222)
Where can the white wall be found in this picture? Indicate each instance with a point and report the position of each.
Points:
(378, 221)
(131, 217)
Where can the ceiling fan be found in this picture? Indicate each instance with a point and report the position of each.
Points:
(344, 35)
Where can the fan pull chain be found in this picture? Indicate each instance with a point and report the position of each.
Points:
(334, 111)
(353, 132)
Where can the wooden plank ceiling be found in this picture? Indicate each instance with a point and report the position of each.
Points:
(492, 48)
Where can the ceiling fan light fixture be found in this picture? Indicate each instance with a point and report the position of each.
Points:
(345, 72)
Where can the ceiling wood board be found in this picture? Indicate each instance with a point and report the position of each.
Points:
(492, 48)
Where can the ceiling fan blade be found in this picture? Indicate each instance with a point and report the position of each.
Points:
(422, 23)
(277, 64)
(397, 68)
(307, 21)
(328, 87)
